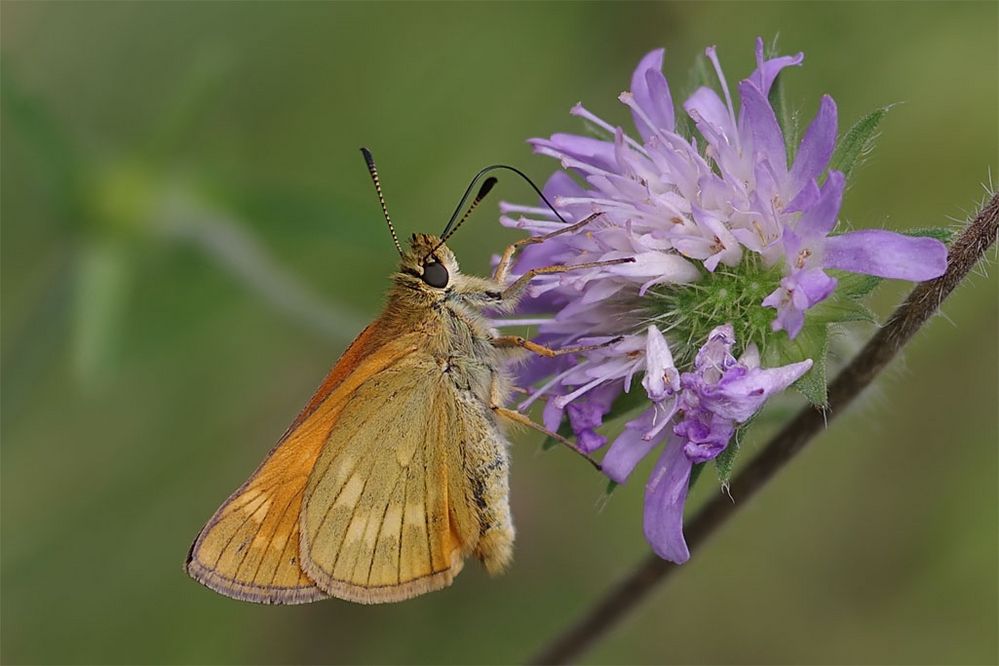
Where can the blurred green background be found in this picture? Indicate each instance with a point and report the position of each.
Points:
(190, 239)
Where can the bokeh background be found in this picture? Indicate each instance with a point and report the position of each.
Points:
(190, 239)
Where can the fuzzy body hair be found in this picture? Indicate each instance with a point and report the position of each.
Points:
(461, 340)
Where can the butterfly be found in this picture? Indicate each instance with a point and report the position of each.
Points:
(396, 470)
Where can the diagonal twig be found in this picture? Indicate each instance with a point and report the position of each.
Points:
(921, 303)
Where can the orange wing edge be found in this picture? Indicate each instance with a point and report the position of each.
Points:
(276, 594)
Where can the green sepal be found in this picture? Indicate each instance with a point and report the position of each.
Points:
(857, 143)
(855, 285)
(841, 308)
(943, 234)
(726, 460)
(611, 487)
(813, 343)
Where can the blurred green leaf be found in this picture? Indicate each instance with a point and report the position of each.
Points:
(58, 162)
(103, 274)
(192, 97)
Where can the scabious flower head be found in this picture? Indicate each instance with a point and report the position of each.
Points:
(731, 243)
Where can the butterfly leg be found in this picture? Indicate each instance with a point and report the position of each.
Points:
(503, 267)
(516, 288)
(548, 352)
(524, 420)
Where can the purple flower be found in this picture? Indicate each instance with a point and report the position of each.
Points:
(719, 394)
(809, 249)
(721, 227)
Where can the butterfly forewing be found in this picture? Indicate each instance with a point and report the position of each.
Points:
(250, 548)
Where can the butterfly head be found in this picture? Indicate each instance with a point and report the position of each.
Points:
(428, 262)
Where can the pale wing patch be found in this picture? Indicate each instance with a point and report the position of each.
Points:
(383, 531)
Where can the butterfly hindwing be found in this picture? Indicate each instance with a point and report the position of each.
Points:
(379, 522)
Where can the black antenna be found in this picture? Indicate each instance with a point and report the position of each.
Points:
(373, 170)
(483, 191)
(454, 222)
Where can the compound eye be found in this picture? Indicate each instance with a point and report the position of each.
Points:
(435, 275)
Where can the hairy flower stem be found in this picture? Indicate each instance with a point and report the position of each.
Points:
(917, 308)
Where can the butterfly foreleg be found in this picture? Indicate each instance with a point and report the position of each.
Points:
(525, 420)
(516, 288)
(507, 341)
(506, 259)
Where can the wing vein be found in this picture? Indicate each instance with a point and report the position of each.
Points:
(402, 525)
(426, 494)
(381, 523)
(284, 550)
(270, 539)
(239, 528)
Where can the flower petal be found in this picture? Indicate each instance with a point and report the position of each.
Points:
(662, 100)
(552, 415)
(820, 218)
(767, 70)
(887, 254)
(761, 124)
(741, 397)
(651, 92)
(815, 148)
(595, 152)
(789, 318)
(561, 184)
(629, 448)
(705, 106)
(814, 285)
(665, 496)
(661, 379)
(586, 414)
(659, 266)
